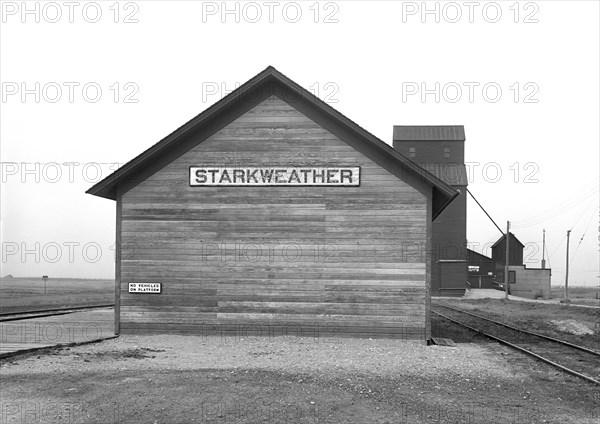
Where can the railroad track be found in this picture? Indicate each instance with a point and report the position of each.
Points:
(16, 316)
(576, 360)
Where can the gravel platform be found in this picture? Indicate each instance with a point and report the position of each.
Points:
(173, 379)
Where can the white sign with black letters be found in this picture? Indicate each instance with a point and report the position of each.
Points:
(348, 176)
(144, 287)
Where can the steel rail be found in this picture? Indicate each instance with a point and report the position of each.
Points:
(563, 342)
(16, 316)
(521, 349)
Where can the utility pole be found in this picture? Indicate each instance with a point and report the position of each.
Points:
(567, 270)
(544, 250)
(506, 261)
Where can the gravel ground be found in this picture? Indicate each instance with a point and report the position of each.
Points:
(382, 357)
(172, 379)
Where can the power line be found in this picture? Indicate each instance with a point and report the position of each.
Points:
(584, 233)
(488, 215)
(587, 192)
(584, 211)
(554, 251)
(555, 213)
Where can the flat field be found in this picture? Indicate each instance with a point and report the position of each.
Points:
(27, 294)
(578, 294)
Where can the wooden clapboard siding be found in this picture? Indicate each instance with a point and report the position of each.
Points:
(350, 259)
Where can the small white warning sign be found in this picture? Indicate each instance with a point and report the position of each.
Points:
(144, 287)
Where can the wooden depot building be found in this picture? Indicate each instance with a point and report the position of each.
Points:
(271, 213)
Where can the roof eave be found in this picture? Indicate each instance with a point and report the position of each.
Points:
(107, 187)
(436, 213)
(104, 187)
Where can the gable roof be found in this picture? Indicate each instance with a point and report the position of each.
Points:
(471, 254)
(260, 87)
(429, 133)
(512, 237)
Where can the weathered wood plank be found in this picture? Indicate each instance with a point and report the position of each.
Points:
(349, 259)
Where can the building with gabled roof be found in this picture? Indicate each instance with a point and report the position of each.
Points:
(485, 272)
(272, 213)
(515, 250)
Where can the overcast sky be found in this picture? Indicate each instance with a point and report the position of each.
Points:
(87, 86)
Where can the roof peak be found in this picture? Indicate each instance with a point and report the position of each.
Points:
(241, 100)
(501, 239)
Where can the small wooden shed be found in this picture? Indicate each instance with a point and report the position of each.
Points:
(515, 250)
(272, 213)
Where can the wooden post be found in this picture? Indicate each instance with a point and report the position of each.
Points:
(506, 268)
(567, 270)
(118, 268)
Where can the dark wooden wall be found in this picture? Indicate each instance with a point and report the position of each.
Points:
(333, 260)
(450, 243)
(515, 251)
(432, 151)
(449, 239)
(482, 278)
